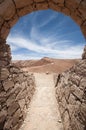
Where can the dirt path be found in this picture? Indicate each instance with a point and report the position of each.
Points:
(43, 113)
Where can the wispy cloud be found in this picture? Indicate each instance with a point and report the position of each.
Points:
(61, 49)
(51, 42)
(42, 22)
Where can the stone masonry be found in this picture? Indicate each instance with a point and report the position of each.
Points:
(71, 96)
(12, 10)
(16, 91)
(5, 53)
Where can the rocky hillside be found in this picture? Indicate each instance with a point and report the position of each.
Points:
(46, 64)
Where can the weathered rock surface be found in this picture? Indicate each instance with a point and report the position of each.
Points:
(84, 53)
(71, 96)
(16, 91)
(5, 54)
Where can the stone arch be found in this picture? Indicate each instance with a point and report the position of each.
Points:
(12, 10)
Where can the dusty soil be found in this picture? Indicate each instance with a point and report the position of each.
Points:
(46, 65)
(43, 112)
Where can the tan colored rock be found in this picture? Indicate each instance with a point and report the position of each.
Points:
(13, 20)
(66, 11)
(7, 9)
(8, 124)
(83, 84)
(26, 10)
(82, 117)
(3, 115)
(1, 22)
(41, 6)
(82, 8)
(3, 97)
(5, 30)
(38, 0)
(22, 103)
(4, 73)
(76, 18)
(72, 3)
(8, 84)
(22, 3)
(66, 120)
(72, 99)
(16, 117)
(59, 1)
(54, 6)
(10, 100)
(21, 95)
(84, 53)
(13, 108)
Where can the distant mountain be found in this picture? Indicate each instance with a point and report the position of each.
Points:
(46, 64)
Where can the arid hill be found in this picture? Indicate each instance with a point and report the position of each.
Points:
(46, 65)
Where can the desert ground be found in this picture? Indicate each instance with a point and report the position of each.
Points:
(46, 64)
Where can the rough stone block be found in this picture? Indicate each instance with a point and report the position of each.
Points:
(8, 124)
(7, 9)
(22, 3)
(3, 115)
(25, 10)
(8, 84)
(4, 73)
(54, 6)
(22, 103)
(16, 117)
(42, 6)
(59, 1)
(12, 108)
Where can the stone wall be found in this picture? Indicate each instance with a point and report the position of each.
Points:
(5, 53)
(16, 91)
(71, 96)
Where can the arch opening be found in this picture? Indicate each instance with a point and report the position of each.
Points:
(46, 33)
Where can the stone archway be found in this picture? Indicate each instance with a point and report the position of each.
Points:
(12, 10)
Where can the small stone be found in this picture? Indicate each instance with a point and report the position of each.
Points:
(84, 54)
(8, 124)
(3, 115)
(16, 117)
(12, 108)
(8, 84)
(4, 73)
(10, 100)
(22, 103)
(22, 3)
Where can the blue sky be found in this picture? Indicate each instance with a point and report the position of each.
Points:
(46, 34)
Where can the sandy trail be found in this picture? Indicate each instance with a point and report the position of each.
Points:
(43, 113)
